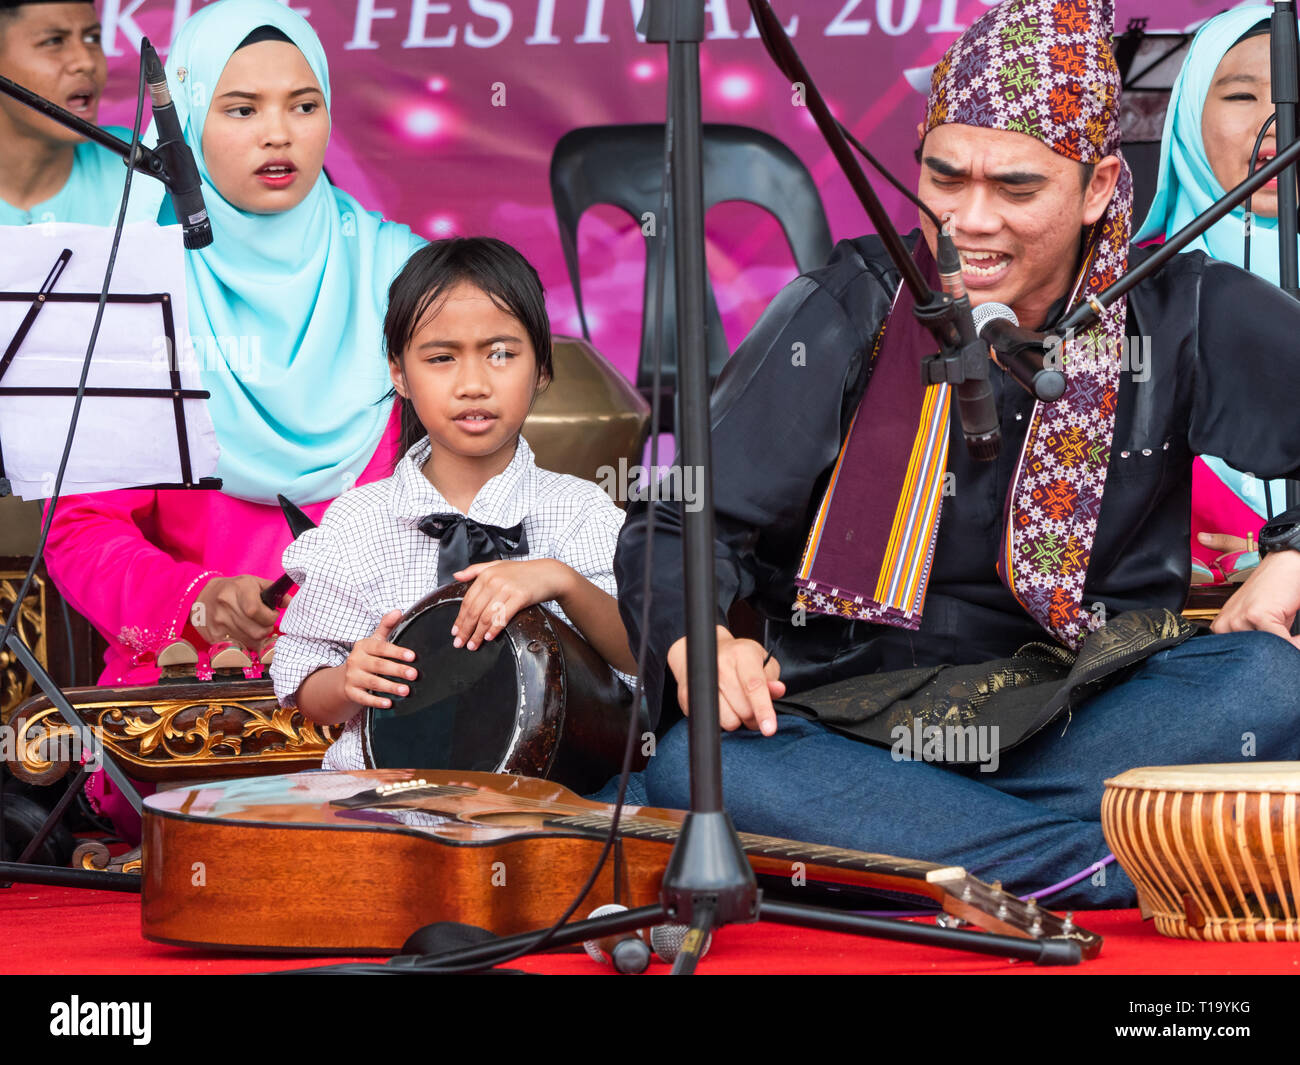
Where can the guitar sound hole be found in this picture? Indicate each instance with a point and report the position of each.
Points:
(460, 712)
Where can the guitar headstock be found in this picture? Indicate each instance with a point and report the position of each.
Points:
(988, 907)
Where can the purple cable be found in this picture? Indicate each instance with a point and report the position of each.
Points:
(1023, 898)
(1073, 880)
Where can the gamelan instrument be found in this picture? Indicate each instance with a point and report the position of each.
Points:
(1213, 849)
(353, 863)
(537, 700)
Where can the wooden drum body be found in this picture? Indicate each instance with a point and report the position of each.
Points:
(1212, 849)
(536, 701)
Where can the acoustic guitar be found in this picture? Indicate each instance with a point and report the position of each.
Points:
(353, 863)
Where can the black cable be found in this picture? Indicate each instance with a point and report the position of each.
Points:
(67, 635)
(862, 150)
(1245, 264)
(796, 76)
(1250, 171)
(12, 621)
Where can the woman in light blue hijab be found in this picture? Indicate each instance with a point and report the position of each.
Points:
(309, 283)
(1218, 103)
(286, 309)
(1187, 183)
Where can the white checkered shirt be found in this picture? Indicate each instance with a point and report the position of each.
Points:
(369, 557)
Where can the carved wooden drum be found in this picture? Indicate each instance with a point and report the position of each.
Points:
(1213, 849)
(537, 701)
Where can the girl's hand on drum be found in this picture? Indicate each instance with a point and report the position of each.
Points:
(500, 590)
(231, 608)
(374, 662)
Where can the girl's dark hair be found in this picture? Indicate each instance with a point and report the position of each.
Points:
(484, 262)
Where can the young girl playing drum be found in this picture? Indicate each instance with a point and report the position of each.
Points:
(469, 347)
(285, 308)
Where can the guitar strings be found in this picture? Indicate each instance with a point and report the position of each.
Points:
(649, 823)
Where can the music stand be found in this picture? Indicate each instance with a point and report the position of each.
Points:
(195, 445)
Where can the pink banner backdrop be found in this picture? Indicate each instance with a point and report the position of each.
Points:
(445, 115)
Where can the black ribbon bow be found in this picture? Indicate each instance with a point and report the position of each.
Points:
(462, 542)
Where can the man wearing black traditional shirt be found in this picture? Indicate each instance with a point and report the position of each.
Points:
(1222, 377)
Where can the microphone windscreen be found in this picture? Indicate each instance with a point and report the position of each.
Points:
(666, 941)
(986, 312)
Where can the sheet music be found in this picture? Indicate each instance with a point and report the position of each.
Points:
(120, 442)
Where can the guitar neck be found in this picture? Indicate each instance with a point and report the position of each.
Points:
(839, 864)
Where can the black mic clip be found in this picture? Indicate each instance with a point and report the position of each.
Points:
(963, 358)
(172, 161)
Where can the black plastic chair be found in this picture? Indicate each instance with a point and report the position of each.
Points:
(623, 166)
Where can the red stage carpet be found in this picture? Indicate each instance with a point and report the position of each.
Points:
(62, 930)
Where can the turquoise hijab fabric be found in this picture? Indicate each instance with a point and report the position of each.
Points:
(93, 192)
(1186, 185)
(286, 310)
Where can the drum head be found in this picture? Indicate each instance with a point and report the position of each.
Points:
(461, 710)
(1227, 776)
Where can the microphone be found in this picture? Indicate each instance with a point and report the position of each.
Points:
(182, 177)
(979, 416)
(665, 940)
(627, 951)
(1021, 352)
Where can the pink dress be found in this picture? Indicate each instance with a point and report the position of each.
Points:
(133, 562)
(1216, 508)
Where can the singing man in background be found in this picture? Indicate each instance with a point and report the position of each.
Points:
(906, 587)
(48, 173)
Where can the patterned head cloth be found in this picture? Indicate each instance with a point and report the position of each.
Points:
(1039, 67)
(1043, 68)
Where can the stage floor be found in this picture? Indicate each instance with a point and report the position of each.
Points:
(49, 931)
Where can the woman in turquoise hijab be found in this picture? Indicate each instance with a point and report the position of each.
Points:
(295, 262)
(286, 309)
(1219, 102)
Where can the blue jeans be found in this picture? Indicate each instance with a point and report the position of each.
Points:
(1033, 822)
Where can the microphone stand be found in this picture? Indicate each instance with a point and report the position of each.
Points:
(708, 881)
(146, 161)
(1284, 53)
(1283, 43)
